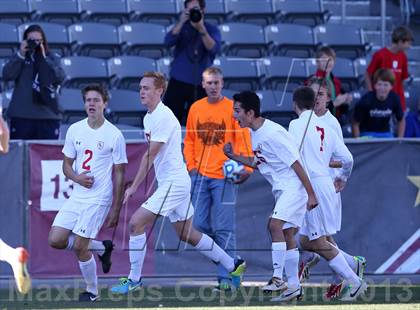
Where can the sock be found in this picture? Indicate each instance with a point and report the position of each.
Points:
(336, 279)
(88, 270)
(306, 256)
(210, 249)
(278, 254)
(291, 265)
(349, 259)
(340, 266)
(70, 242)
(7, 253)
(97, 247)
(137, 246)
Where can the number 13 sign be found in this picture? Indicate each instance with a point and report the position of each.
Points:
(56, 188)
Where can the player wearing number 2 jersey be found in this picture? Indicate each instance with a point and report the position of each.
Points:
(318, 145)
(93, 150)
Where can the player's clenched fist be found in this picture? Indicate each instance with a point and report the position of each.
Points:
(85, 180)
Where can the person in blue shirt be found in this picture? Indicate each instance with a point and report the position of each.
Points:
(196, 44)
(412, 122)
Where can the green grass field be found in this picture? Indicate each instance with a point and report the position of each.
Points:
(250, 297)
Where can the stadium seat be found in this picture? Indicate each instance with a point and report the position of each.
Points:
(82, 70)
(308, 12)
(57, 36)
(126, 108)
(164, 66)
(94, 39)
(62, 12)
(105, 11)
(346, 40)
(360, 66)
(131, 132)
(239, 73)
(149, 44)
(251, 11)
(153, 11)
(71, 101)
(229, 93)
(284, 72)
(413, 53)
(125, 71)
(14, 11)
(343, 69)
(277, 106)
(243, 40)
(215, 11)
(290, 40)
(9, 40)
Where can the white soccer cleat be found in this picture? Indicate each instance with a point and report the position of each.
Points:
(351, 292)
(23, 280)
(304, 268)
(274, 285)
(360, 266)
(289, 294)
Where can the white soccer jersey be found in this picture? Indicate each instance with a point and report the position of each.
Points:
(320, 144)
(161, 125)
(275, 152)
(332, 121)
(96, 151)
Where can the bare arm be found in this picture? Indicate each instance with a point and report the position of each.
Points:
(4, 136)
(401, 128)
(303, 177)
(83, 179)
(245, 160)
(118, 188)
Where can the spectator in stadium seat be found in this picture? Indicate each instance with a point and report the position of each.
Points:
(373, 113)
(210, 125)
(412, 122)
(339, 100)
(394, 58)
(196, 45)
(34, 111)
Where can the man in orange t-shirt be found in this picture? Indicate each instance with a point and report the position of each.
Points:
(210, 125)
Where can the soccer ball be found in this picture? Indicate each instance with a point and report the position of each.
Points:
(230, 167)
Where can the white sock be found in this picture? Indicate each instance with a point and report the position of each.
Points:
(291, 265)
(340, 266)
(306, 256)
(349, 259)
(7, 253)
(88, 270)
(210, 249)
(70, 242)
(137, 246)
(97, 247)
(278, 254)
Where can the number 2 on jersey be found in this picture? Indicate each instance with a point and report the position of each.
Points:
(322, 134)
(85, 165)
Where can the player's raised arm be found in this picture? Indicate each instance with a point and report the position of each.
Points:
(246, 160)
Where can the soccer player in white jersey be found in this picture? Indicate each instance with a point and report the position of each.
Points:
(172, 197)
(318, 145)
(309, 259)
(277, 158)
(16, 257)
(94, 150)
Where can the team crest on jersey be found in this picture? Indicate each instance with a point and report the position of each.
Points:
(395, 64)
(100, 145)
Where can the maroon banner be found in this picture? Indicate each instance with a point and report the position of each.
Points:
(49, 189)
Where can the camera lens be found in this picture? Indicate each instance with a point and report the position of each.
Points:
(195, 15)
(32, 44)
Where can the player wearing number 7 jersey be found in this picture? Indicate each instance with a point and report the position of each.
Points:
(318, 145)
(93, 150)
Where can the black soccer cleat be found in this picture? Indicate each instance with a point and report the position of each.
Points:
(88, 297)
(106, 257)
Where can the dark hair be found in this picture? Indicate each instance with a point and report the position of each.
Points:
(385, 75)
(98, 88)
(249, 101)
(201, 3)
(304, 98)
(37, 28)
(402, 33)
(326, 50)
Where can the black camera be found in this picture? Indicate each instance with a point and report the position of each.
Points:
(195, 15)
(32, 44)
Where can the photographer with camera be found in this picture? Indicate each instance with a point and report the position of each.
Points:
(34, 112)
(196, 44)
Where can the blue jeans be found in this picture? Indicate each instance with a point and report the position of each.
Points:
(214, 213)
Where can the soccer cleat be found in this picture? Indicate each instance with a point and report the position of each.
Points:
(274, 285)
(106, 257)
(334, 291)
(351, 292)
(88, 296)
(236, 281)
(239, 269)
(20, 271)
(289, 294)
(222, 286)
(126, 285)
(360, 266)
(304, 267)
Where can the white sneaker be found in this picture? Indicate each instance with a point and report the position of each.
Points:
(289, 294)
(274, 285)
(351, 292)
(360, 266)
(305, 267)
(20, 270)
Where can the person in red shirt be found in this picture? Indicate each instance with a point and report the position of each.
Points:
(393, 58)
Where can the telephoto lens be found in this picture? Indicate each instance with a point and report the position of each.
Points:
(195, 15)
